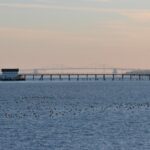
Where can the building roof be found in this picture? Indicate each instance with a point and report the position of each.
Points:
(10, 70)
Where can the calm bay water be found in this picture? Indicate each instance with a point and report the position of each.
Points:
(75, 115)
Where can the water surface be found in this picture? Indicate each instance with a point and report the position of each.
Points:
(75, 115)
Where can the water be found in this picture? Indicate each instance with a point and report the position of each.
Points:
(75, 115)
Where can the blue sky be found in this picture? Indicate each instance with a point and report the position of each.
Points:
(74, 33)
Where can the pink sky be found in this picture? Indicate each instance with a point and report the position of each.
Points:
(34, 37)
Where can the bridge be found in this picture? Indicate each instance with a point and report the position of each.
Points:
(87, 73)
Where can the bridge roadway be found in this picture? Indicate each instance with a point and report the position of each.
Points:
(84, 76)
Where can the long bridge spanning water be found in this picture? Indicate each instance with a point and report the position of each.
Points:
(87, 77)
(75, 74)
(85, 74)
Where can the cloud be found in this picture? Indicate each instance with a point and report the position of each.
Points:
(59, 7)
(141, 15)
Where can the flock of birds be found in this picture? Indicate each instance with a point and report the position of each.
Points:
(39, 106)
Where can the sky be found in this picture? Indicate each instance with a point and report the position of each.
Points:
(74, 33)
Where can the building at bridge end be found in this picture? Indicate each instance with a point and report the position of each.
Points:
(8, 74)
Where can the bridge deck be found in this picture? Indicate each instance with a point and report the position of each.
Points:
(87, 76)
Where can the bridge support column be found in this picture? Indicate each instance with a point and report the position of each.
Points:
(104, 77)
(77, 77)
(122, 76)
(130, 76)
(87, 77)
(95, 76)
(69, 77)
(51, 77)
(41, 78)
(139, 77)
(33, 77)
(60, 77)
(113, 77)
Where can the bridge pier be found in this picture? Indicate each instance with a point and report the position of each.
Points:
(130, 77)
(33, 77)
(69, 77)
(104, 77)
(51, 77)
(122, 77)
(87, 77)
(113, 77)
(60, 77)
(96, 77)
(41, 78)
(139, 77)
(77, 77)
